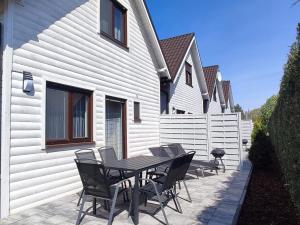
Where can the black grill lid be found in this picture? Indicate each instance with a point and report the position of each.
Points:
(218, 152)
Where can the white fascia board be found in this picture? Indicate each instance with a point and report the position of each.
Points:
(6, 103)
(161, 62)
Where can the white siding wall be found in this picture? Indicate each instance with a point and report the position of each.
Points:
(203, 133)
(183, 96)
(215, 107)
(57, 40)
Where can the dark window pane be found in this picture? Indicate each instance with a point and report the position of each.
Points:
(80, 115)
(119, 25)
(56, 114)
(106, 16)
(136, 111)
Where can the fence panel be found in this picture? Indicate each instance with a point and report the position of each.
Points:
(202, 133)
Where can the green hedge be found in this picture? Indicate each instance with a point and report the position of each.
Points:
(284, 125)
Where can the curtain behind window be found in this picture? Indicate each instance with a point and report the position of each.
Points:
(106, 16)
(80, 116)
(56, 114)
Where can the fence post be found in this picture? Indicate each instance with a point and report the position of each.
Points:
(239, 120)
(208, 134)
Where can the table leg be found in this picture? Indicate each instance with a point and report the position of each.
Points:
(94, 206)
(135, 200)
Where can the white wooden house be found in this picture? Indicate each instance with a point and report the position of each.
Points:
(186, 91)
(96, 67)
(213, 77)
(228, 96)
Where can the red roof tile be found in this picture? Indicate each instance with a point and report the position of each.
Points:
(210, 74)
(174, 50)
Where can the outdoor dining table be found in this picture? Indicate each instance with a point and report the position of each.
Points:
(137, 165)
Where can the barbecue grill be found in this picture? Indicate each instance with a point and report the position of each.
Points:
(218, 153)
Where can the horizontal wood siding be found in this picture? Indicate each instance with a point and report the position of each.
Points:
(215, 106)
(183, 96)
(203, 133)
(58, 41)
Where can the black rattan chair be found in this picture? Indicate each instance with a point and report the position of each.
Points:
(161, 170)
(108, 154)
(96, 184)
(165, 185)
(86, 155)
(196, 165)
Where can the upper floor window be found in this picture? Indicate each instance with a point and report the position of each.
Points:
(188, 74)
(113, 21)
(215, 95)
(68, 115)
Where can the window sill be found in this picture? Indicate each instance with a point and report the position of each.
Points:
(121, 44)
(69, 145)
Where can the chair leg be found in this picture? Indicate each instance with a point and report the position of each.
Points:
(176, 202)
(161, 204)
(197, 174)
(81, 209)
(113, 205)
(187, 191)
(179, 186)
(80, 197)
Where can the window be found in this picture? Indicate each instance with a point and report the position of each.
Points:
(188, 74)
(136, 109)
(68, 115)
(113, 22)
(215, 94)
(180, 111)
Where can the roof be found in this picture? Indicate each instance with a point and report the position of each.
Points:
(210, 74)
(226, 90)
(174, 50)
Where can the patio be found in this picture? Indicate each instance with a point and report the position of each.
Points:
(216, 201)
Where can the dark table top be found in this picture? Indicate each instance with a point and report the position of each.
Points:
(138, 163)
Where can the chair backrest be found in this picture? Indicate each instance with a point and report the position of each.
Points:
(159, 152)
(178, 170)
(93, 177)
(86, 155)
(107, 154)
(177, 149)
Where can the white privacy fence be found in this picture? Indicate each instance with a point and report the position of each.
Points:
(203, 133)
(246, 130)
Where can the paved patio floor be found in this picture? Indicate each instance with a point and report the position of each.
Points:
(216, 201)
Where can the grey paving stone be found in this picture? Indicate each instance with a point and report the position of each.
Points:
(215, 200)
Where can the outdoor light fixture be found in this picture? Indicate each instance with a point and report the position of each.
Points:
(27, 82)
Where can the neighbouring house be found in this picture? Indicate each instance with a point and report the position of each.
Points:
(213, 77)
(181, 94)
(228, 96)
(76, 74)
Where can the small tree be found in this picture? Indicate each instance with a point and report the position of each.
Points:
(238, 108)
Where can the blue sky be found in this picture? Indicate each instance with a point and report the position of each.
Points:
(250, 40)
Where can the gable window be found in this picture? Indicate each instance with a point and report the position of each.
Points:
(68, 115)
(215, 95)
(188, 74)
(113, 21)
(136, 112)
